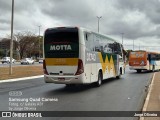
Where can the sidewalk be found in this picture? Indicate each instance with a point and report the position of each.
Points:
(153, 97)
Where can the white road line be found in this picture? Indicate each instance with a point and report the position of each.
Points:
(19, 79)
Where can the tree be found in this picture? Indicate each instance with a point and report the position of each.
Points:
(2, 53)
(28, 44)
(5, 46)
(25, 44)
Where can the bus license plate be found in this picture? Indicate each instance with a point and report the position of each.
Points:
(61, 79)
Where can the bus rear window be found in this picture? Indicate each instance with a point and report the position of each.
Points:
(137, 54)
(61, 43)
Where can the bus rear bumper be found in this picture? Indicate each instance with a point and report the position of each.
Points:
(138, 67)
(64, 79)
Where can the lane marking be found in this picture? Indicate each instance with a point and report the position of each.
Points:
(20, 79)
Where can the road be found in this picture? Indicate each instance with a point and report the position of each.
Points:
(125, 94)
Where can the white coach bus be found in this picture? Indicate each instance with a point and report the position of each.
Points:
(74, 55)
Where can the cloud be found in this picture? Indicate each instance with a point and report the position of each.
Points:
(72, 12)
(5, 7)
(150, 8)
(137, 19)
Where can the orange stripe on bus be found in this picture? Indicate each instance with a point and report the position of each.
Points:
(61, 61)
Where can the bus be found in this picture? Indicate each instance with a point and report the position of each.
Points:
(75, 55)
(144, 60)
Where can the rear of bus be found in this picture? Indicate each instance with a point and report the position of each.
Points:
(61, 56)
(138, 61)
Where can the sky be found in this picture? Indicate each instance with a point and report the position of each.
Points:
(137, 22)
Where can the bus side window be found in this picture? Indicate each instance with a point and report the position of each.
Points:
(88, 41)
(86, 37)
(96, 44)
(149, 57)
(158, 57)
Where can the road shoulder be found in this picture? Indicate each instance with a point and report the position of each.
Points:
(152, 102)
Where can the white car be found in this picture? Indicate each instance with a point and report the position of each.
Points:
(40, 60)
(7, 60)
(27, 61)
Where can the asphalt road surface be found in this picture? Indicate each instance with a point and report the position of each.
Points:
(125, 94)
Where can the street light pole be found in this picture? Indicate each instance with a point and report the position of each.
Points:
(133, 45)
(11, 42)
(98, 22)
(122, 37)
(39, 40)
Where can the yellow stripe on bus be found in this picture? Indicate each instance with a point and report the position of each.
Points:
(61, 61)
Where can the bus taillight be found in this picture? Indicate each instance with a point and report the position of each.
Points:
(44, 68)
(80, 68)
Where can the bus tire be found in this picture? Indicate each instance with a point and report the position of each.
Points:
(139, 71)
(100, 78)
(119, 76)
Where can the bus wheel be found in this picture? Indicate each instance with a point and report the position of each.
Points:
(100, 78)
(138, 71)
(118, 77)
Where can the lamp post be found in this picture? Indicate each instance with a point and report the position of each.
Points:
(122, 37)
(98, 21)
(133, 45)
(11, 42)
(39, 40)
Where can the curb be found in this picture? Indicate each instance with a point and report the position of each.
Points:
(148, 96)
(20, 79)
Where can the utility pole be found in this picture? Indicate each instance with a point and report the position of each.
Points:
(122, 37)
(11, 42)
(133, 45)
(39, 40)
(98, 21)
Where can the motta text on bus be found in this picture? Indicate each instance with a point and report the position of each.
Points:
(60, 47)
